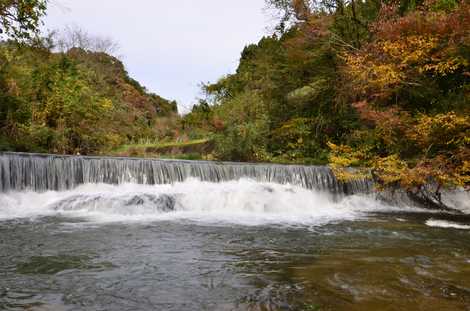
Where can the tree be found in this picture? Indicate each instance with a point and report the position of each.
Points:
(348, 19)
(75, 37)
(409, 85)
(72, 102)
(20, 19)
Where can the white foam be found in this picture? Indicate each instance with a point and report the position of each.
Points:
(446, 224)
(458, 199)
(240, 202)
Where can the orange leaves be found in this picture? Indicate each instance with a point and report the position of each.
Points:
(408, 86)
(441, 145)
(407, 49)
(369, 76)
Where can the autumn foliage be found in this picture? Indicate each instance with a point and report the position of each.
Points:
(410, 87)
(74, 102)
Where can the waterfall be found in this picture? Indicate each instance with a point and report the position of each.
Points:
(42, 172)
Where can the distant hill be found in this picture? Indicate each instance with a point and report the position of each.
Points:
(74, 102)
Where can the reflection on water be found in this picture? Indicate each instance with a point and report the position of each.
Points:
(391, 262)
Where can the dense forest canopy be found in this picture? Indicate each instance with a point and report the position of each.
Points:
(382, 85)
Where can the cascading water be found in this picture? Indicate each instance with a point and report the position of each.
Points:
(20, 171)
(97, 233)
(127, 189)
(110, 189)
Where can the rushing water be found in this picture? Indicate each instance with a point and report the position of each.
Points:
(20, 171)
(254, 243)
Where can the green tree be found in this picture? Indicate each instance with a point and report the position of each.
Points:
(20, 19)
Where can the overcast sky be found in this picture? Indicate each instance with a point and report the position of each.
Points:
(170, 46)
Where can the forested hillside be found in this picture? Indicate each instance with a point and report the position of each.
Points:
(382, 85)
(63, 93)
(78, 101)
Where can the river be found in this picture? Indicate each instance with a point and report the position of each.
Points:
(81, 233)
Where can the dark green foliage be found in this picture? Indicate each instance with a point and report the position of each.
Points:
(289, 85)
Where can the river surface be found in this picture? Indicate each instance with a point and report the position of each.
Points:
(240, 245)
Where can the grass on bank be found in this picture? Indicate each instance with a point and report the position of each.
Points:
(198, 149)
(156, 146)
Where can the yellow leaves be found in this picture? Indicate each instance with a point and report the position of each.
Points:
(339, 149)
(384, 75)
(426, 53)
(341, 161)
(295, 129)
(410, 49)
(385, 64)
(390, 170)
(402, 73)
(342, 158)
(439, 170)
(113, 139)
(443, 141)
(107, 104)
(445, 130)
(446, 66)
(442, 122)
(463, 173)
(366, 71)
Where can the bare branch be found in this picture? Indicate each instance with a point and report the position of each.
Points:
(73, 36)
